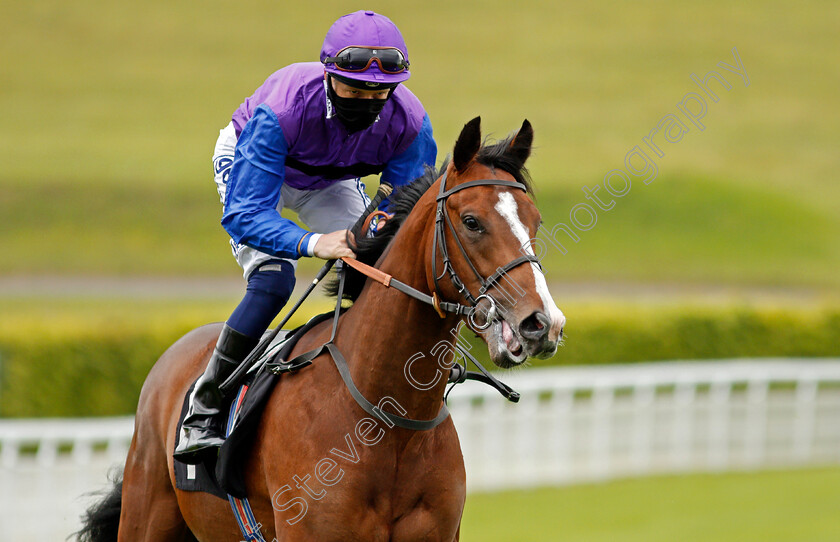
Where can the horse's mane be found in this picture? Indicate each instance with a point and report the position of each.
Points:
(370, 249)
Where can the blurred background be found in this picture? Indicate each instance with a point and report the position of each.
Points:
(714, 289)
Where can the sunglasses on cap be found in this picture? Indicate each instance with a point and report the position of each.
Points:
(359, 59)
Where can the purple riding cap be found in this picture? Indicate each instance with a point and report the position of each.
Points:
(365, 29)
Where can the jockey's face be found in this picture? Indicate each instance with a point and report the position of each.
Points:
(346, 91)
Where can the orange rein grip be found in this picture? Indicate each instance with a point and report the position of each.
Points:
(372, 272)
(371, 216)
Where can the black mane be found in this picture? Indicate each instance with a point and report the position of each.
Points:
(369, 249)
(497, 156)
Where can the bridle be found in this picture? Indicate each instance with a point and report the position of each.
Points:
(442, 221)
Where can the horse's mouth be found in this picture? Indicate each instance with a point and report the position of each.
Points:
(507, 347)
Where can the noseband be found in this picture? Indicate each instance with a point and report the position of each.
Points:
(442, 222)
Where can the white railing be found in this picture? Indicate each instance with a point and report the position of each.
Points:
(47, 466)
(597, 422)
(43, 441)
(573, 424)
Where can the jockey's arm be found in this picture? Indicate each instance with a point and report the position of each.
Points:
(253, 192)
(409, 164)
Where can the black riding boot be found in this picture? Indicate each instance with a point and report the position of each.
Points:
(201, 432)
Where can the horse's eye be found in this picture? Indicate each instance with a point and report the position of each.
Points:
(471, 223)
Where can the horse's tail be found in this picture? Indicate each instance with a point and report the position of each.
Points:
(101, 522)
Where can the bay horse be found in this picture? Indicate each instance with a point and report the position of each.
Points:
(372, 481)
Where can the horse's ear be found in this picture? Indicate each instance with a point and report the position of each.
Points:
(468, 144)
(520, 145)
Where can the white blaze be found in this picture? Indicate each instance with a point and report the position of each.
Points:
(510, 212)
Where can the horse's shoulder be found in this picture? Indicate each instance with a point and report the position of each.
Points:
(185, 358)
(194, 341)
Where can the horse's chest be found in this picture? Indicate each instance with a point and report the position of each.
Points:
(378, 492)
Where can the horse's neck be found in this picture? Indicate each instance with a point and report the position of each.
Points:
(387, 330)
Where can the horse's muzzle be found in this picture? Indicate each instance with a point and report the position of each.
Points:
(540, 335)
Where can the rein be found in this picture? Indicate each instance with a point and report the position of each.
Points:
(390, 282)
(344, 370)
(458, 374)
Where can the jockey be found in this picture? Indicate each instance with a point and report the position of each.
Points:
(302, 142)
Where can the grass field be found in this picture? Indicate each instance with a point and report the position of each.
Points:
(782, 506)
(112, 109)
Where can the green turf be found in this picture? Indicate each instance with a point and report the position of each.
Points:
(111, 111)
(675, 229)
(695, 230)
(764, 506)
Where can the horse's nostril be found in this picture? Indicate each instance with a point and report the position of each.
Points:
(535, 326)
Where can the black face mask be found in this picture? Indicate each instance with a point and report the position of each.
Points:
(354, 113)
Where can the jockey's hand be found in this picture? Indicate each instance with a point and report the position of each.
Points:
(334, 245)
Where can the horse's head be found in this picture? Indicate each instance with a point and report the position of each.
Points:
(486, 224)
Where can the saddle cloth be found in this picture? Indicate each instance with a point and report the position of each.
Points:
(225, 476)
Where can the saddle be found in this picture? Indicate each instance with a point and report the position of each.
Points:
(224, 475)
